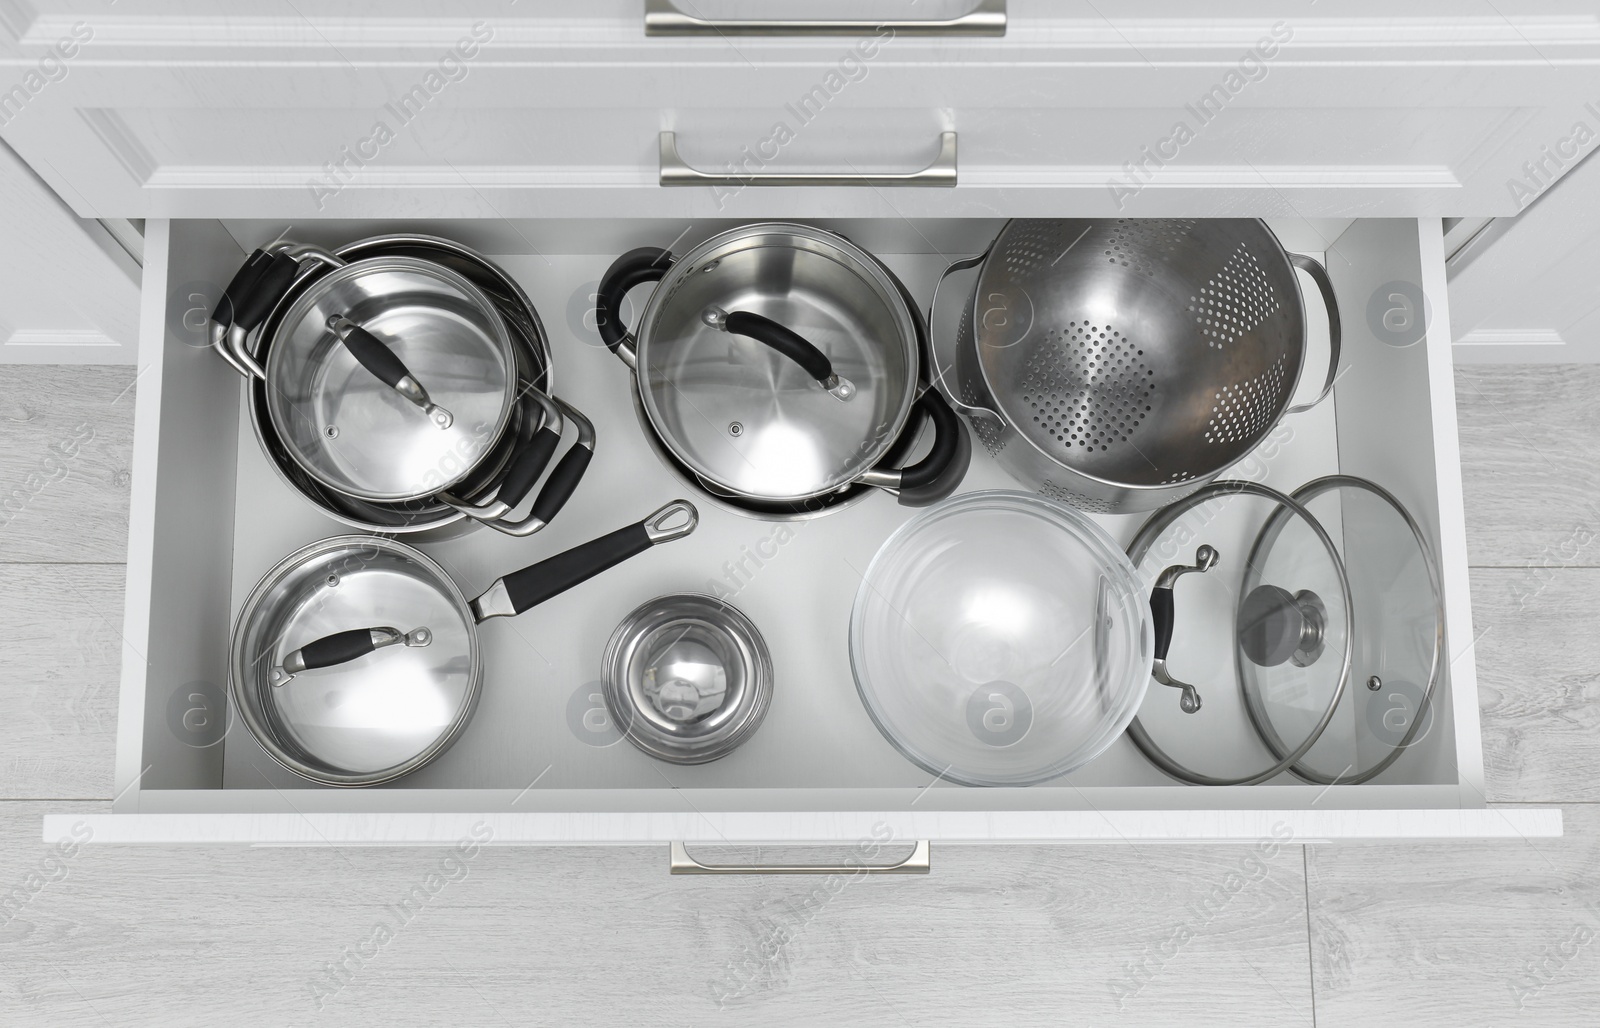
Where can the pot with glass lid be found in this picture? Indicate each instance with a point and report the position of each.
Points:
(780, 365)
(400, 383)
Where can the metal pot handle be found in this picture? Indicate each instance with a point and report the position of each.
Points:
(266, 277)
(526, 467)
(1319, 275)
(522, 590)
(785, 341)
(375, 355)
(342, 648)
(1162, 612)
(636, 267)
(950, 393)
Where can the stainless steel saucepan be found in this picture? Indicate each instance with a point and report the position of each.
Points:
(393, 382)
(356, 660)
(780, 364)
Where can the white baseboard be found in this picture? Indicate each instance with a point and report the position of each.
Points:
(64, 346)
(1519, 346)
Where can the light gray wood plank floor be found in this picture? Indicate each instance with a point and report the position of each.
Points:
(1370, 935)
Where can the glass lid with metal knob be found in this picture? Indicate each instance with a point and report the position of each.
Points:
(391, 379)
(1398, 621)
(1249, 632)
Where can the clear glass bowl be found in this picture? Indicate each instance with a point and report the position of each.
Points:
(1001, 639)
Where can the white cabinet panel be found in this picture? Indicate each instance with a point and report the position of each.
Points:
(1530, 294)
(66, 296)
(480, 110)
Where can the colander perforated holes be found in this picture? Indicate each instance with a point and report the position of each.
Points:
(1055, 492)
(1142, 244)
(1087, 387)
(1234, 301)
(1246, 409)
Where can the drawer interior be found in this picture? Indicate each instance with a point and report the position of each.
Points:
(211, 516)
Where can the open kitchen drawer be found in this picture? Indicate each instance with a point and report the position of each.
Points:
(540, 763)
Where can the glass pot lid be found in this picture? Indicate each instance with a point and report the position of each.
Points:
(1282, 608)
(391, 378)
(752, 414)
(1001, 639)
(379, 715)
(687, 678)
(1398, 630)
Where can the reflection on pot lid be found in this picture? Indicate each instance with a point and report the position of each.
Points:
(1274, 613)
(1398, 619)
(359, 435)
(371, 718)
(754, 421)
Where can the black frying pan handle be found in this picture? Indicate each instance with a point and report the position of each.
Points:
(522, 590)
(636, 267)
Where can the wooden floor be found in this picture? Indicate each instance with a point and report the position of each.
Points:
(1334, 936)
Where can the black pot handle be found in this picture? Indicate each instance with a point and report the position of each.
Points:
(939, 473)
(527, 466)
(374, 355)
(785, 341)
(528, 463)
(1163, 615)
(522, 590)
(636, 267)
(255, 288)
(947, 471)
(342, 648)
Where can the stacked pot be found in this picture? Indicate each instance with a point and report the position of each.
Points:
(400, 383)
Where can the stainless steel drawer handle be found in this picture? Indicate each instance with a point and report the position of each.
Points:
(916, 864)
(675, 171)
(664, 18)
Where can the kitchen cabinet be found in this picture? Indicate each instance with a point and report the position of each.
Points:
(69, 294)
(1528, 295)
(209, 517)
(482, 110)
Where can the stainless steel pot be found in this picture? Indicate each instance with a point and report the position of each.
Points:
(468, 430)
(356, 661)
(780, 364)
(1121, 365)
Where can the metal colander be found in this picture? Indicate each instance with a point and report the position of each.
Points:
(1119, 365)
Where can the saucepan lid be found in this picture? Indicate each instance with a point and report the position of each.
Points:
(1398, 623)
(1259, 633)
(367, 720)
(391, 378)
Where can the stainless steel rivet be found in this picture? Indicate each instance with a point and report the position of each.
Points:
(333, 580)
(735, 428)
(1374, 683)
(332, 431)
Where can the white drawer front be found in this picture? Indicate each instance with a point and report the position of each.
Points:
(487, 112)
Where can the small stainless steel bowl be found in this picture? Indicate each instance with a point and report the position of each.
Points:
(687, 678)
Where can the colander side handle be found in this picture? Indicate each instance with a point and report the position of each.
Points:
(949, 392)
(1319, 275)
